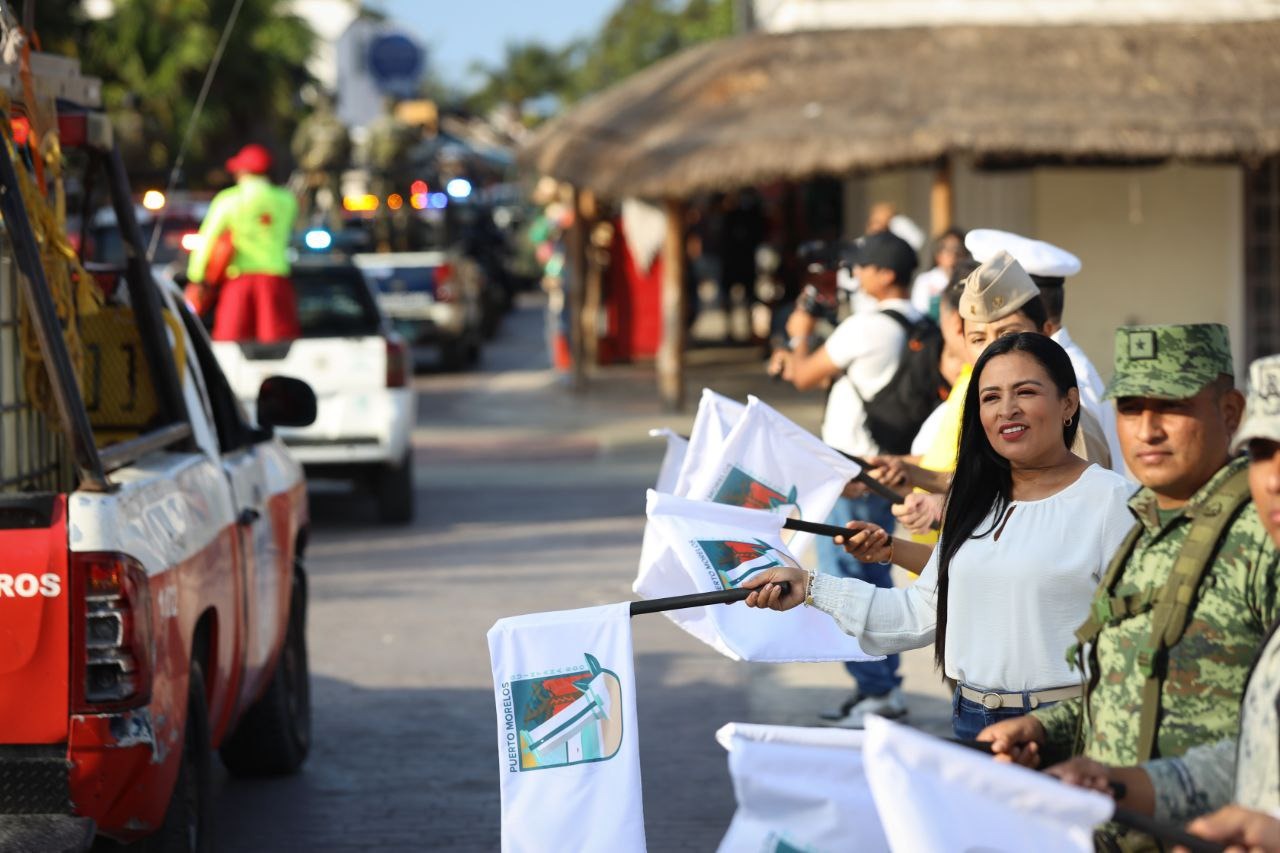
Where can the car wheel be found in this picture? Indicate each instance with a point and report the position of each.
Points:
(492, 318)
(275, 735)
(453, 355)
(394, 492)
(188, 821)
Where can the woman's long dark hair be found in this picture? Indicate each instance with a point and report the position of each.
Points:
(982, 484)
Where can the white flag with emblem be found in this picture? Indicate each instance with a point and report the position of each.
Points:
(659, 573)
(799, 789)
(713, 546)
(717, 415)
(677, 445)
(568, 753)
(936, 797)
(769, 462)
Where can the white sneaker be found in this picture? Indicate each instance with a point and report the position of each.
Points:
(839, 712)
(890, 705)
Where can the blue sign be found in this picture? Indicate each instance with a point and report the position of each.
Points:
(394, 61)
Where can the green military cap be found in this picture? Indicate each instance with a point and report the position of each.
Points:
(1170, 362)
(996, 289)
(1262, 416)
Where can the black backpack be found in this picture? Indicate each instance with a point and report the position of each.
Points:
(896, 412)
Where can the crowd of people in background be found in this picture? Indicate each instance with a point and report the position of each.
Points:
(1097, 563)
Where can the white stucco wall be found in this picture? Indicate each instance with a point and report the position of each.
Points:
(329, 19)
(791, 15)
(1158, 245)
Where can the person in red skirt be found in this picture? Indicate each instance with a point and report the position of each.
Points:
(255, 299)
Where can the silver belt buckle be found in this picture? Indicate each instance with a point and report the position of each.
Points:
(992, 701)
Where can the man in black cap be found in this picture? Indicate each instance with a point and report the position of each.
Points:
(856, 361)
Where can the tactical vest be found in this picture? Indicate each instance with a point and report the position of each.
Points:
(1171, 604)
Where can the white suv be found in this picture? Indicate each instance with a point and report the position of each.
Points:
(362, 375)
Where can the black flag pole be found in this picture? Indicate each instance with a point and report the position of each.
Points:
(871, 482)
(1161, 830)
(816, 527)
(697, 599)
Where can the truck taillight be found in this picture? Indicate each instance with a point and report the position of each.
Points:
(398, 360)
(111, 640)
(444, 284)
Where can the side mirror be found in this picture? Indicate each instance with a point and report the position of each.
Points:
(285, 401)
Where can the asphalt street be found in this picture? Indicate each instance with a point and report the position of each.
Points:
(529, 497)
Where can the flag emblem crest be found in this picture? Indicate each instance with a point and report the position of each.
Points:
(776, 843)
(741, 489)
(572, 717)
(734, 561)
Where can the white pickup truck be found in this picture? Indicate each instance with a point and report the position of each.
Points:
(362, 374)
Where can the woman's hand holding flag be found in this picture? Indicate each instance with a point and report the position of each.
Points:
(867, 542)
(768, 592)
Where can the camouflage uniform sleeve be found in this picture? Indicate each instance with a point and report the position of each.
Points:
(1061, 726)
(1262, 591)
(1196, 783)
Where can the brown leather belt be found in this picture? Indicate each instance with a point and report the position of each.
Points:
(993, 700)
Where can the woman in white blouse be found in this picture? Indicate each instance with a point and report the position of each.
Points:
(1027, 533)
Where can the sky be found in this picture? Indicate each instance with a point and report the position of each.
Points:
(460, 32)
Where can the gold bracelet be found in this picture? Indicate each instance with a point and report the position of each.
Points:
(808, 588)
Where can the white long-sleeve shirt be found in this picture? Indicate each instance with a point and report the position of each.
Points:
(1014, 601)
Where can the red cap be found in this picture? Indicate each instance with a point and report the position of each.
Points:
(252, 158)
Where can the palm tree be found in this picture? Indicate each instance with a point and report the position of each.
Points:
(152, 56)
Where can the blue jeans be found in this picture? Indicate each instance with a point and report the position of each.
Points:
(874, 678)
(969, 717)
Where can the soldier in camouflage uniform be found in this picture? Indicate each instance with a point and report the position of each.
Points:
(388, 147)
(1246, 769)
(1169, 642)
(322, 148)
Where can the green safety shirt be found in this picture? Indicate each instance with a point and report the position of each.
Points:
(260, 216)
(1207, 667)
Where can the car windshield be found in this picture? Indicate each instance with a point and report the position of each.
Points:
(334, 304)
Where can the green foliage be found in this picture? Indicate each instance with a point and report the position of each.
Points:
(529, 70)
(152, 56)
(637, 34)
(641, 32)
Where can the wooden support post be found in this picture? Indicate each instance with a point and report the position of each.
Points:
(575, 281)
(671, 350)
(593, 281)
(941, 202)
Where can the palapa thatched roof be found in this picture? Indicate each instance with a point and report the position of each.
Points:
(763, 107)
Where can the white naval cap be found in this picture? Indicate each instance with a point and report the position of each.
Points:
(1036, 256)
(906, 228)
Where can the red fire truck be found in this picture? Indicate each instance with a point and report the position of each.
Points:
(152, 592)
